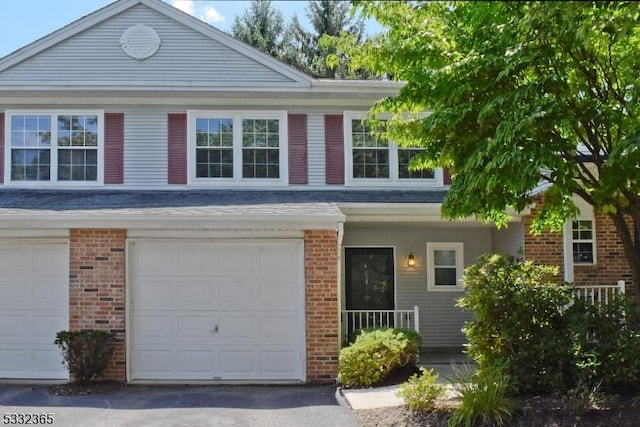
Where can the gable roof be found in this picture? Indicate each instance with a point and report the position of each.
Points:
(289, 76)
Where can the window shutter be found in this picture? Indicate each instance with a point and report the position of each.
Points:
(334, 146)
(297, 124)
(446, 177)
(1, 148)
(113, 148)
(177, 139)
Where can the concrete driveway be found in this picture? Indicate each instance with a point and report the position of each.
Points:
(180, 405)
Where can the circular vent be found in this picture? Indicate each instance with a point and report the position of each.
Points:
(140, 41)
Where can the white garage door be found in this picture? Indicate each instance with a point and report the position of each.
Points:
(214, 309)
(34, 300)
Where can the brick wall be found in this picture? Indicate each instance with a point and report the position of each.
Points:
(96, 293)
(611, 263)
(321, 275)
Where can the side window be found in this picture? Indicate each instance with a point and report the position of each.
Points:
(444, 266)
(583, 242)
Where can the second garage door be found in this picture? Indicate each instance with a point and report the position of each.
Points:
(217, 309)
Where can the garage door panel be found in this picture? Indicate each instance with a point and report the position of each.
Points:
(46, 293)
(46, 361)
(277, 362)
(234, 285)
(198, 259)
(16, 363)
(196, 293)
(155, 328)
(155, 293)
(157, 259)
(46, 326)
(279, 295)
(16, 292)
(15, 259)
(15, 327)
(49, 260)
(194, 327)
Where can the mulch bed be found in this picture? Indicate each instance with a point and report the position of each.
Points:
(77, 389)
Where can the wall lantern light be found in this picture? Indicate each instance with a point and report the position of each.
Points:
(411, 259)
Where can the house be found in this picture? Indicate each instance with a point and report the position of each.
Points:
(218, 210)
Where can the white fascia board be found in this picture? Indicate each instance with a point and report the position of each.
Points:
(376, 88)
(54, 220)
(408, 212)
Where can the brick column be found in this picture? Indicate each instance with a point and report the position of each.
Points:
(322, 311)
(96, 288)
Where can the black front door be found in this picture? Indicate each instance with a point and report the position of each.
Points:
(369, 278)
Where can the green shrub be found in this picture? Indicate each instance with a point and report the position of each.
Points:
(420, 392)
(482, 398)
(518, 322)
(85, 353)
(374, 354)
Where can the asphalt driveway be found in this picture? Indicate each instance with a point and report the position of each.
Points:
(181, 405)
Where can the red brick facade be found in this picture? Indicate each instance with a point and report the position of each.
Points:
(96, 288)
(611, 264)
(321, 275)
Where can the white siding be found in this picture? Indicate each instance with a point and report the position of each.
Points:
(440, 321)
(185, 57)
(316, 149)
(509, 240)
(145, 148)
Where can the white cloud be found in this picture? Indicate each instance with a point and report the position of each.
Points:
(184, 5)
(212, 16)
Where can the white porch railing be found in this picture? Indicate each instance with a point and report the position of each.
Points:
(600, 294)
(353, 320)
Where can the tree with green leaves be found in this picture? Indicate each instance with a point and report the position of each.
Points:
(517, 95)
(261, 26)
(305, 52)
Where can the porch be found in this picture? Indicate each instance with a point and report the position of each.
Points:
(351, 321)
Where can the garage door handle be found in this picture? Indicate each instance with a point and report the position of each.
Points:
(215, 329)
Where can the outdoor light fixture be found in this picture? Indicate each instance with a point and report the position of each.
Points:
(411, 259)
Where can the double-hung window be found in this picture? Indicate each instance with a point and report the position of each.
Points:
(237, 148)
(444, 266)
(583, 244)
(371, 160)
(54, 147)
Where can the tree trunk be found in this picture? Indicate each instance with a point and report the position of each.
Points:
(629, 239)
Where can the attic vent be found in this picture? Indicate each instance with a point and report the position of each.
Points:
(140, 41)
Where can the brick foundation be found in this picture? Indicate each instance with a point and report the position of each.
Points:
(321, 275)
(96, 288)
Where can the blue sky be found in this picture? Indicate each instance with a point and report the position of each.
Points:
(25, 21)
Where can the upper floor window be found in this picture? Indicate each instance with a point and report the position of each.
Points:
(583, 241)
(54, 147)
(237, 147)
(374, 161)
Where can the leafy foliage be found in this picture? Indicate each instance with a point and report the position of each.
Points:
(374, 354)
(261, 26)
(543, 338)
(420, 392)
(518, 322)
(482, 398)
(540, 88)
(85, 353)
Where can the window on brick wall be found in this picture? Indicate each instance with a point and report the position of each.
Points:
(583, 241)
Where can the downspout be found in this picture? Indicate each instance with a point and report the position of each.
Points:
(567, 251)
(340, 236)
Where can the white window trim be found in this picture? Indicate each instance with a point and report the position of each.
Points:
(568, 230)
(237, 179)
(53, 181)
(458, 247)
(394, 180)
